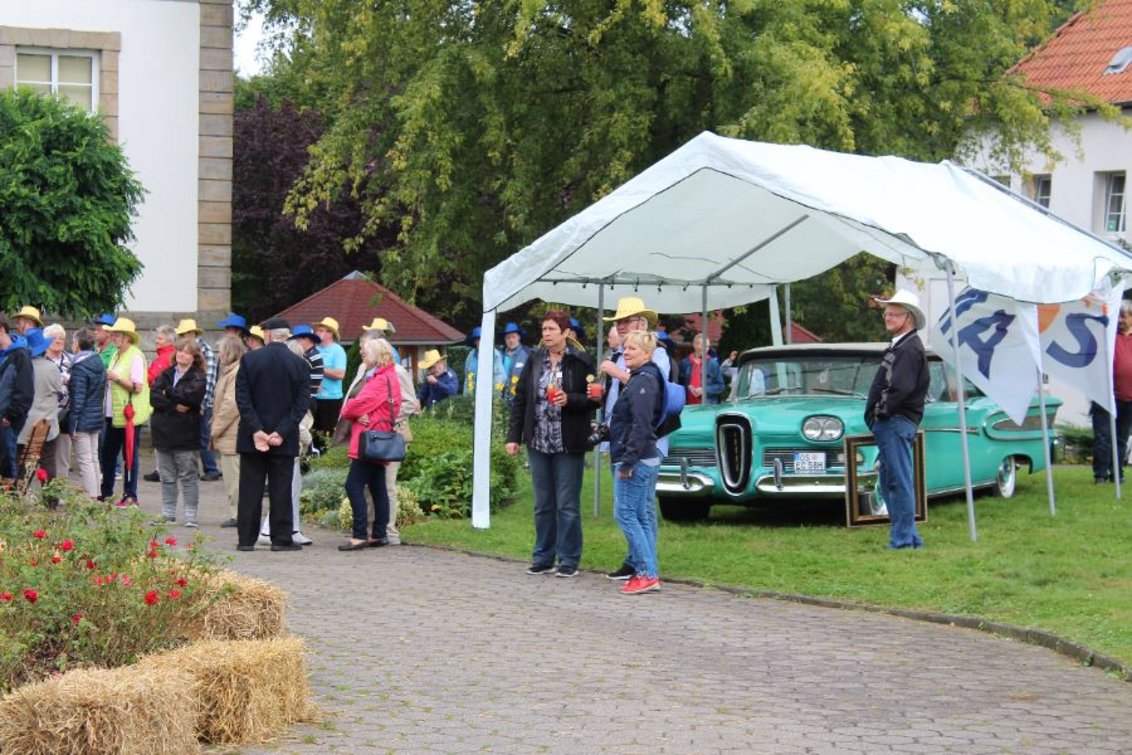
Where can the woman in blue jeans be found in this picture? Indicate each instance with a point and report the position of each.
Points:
(551, 413)
(375, 407)
(636, 459)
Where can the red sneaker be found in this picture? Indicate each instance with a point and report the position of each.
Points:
(639, 584)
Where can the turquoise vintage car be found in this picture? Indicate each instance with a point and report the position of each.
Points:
(781, 435)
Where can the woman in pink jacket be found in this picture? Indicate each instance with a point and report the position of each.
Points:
(376, 406)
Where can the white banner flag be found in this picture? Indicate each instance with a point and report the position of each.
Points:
(998, 347)
(1077, 342)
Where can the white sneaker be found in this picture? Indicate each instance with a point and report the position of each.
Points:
(263, 540)
(300, 538)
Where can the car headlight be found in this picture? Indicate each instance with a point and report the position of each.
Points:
(821, 427)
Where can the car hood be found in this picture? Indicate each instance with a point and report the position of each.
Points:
(774, 414)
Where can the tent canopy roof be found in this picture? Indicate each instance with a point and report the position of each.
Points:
(742, 217)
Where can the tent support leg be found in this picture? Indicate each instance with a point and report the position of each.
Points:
(775, 320)
(481, 447)
(1045, 445)
(789, 314)
(599, 340)
(962, 404)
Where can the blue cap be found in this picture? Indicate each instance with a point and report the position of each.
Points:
(513, 328)
(233, 320)
(37, 344)
(577, 328)
(107, 319)
(304, 331)
(473, 336)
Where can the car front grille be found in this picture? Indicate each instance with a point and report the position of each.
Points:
(697, 457)
(734, 441)
(833, 457)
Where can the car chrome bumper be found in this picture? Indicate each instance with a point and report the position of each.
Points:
(691, 484)
(808, 486)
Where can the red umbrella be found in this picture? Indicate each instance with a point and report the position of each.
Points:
(129, 414)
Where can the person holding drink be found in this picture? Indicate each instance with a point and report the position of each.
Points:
(551, 414)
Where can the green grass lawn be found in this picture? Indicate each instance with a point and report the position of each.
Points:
(1069, 574)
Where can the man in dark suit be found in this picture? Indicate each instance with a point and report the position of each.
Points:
(272, 391)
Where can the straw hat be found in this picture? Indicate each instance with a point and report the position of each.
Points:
(910, 302)
(380, 323)
(256, 331)
(31, 313)
(431, 357)
(629, 306)
(184, 327)
(330, 324)
(126, 325)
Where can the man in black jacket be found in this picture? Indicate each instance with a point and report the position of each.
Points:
(17, 389)
(893, 412)
(272, 392)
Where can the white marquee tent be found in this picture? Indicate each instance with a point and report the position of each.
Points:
(721, 222)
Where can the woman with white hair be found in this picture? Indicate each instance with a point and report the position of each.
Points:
(376, 406)
(56, 336)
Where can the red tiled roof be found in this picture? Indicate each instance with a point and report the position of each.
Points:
(1077, 54)
(692, 325)
(799, 334)
(354, 301)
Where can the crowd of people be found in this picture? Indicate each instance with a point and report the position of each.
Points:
(241, 410)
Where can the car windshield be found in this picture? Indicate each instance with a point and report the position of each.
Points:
(832, 374)
(837, 374)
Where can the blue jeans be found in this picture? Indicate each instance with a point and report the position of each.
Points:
(8, 453)
(895, 437)
(364, 475)
(557, 482)
(635, 511)
(207, 458)
(1102, 438)
(112, 447)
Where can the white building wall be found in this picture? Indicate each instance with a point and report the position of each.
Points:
(158, 85)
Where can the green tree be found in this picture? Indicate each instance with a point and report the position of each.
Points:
(67, 199)
(471, 129)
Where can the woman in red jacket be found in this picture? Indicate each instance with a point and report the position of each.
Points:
(164, 340)
(376, 406)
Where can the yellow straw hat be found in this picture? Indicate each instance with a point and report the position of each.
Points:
(256, 331)
(380, 323)
(630, 306)
(32, 313)
(188, 325)
(330, 324)
(125, 325)
(431, 357)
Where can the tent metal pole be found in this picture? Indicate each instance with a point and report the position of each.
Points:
(950, 269)
(1045, 443)
(481, 445)
(599, 339)
(707, 344)
(789, 315)
(775, 322)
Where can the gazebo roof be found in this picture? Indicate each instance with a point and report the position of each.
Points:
(355, 300)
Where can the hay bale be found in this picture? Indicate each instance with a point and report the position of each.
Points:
(248, 690)
(125, 710)
(244, 609)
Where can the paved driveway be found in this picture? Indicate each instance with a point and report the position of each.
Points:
(415, 650)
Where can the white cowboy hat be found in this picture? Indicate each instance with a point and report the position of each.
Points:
(910, 302)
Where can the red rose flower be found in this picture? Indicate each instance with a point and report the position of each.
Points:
(56, 558)
(151, 597)
(41, 475)
(90, 564)
(39, 534)
(98, 580)
(6, 597)
(181, 582)
(154, 544)
(174, 594)
(68, 545)
(151, 554)
(31, 595)
(77, 618)
(126, 580)
(170, 541)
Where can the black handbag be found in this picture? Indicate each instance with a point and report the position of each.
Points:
(379, 446)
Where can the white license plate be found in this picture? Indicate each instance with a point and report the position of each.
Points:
(809, 463)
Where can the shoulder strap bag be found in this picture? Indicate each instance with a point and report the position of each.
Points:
(381, 446)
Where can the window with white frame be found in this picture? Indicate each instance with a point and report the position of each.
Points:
(1114, 202)
(1042, 188)
(70, 74)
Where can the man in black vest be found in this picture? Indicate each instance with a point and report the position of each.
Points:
(893, 412)
(272, 391)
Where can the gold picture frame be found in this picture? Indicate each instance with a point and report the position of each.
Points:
(860, 509)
